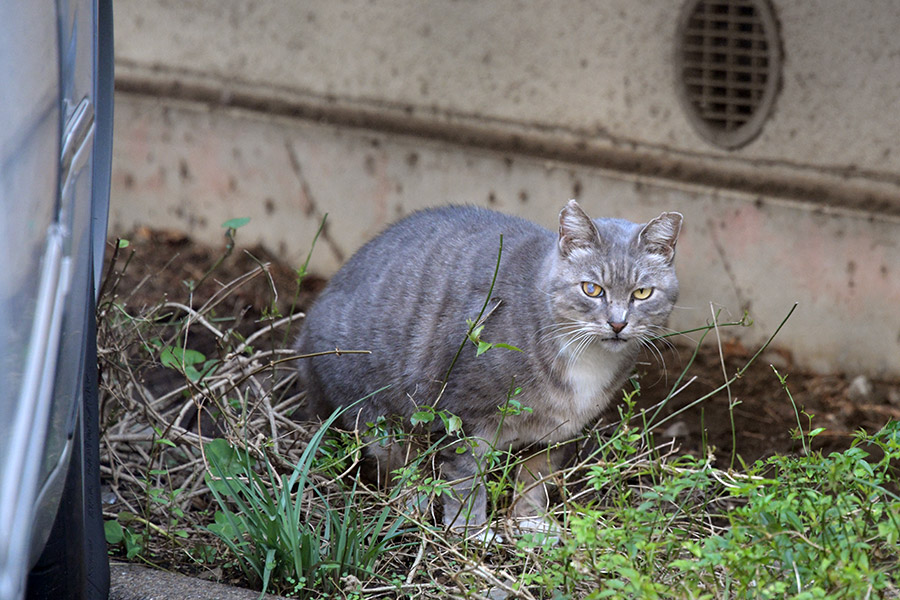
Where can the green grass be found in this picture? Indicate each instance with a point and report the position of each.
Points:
(285, 532)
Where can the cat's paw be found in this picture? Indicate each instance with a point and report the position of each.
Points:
(486, 536)
(541, 530)
(483, 535)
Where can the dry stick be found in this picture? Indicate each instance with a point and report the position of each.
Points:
(267, 329)
(302, 272)
(263, 400)
(480, 569)
(109, 269)
(289, 402)
(415, 565)
(266, 267)
(213, 386)
(193, 316)
(229, 248)
(154, 416)
(267, 405)
(226, 290)
(336, 352)
(476, 566)
(115, 475)
(288, 422)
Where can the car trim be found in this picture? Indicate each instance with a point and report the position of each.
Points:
(18, 494)
(79, 130)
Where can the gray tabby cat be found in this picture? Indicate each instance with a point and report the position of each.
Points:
(578, 305)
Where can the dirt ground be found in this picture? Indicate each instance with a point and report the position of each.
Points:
(763, 415)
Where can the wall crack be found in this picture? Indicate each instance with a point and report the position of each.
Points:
(310, 207)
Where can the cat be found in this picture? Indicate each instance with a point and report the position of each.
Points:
(576, 306)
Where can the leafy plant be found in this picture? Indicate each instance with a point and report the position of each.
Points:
(805, 527)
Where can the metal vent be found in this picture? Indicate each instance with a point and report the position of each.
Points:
(728, 67)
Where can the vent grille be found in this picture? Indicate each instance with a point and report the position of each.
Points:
(728, 67)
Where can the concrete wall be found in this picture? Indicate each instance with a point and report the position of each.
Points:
(285, 111)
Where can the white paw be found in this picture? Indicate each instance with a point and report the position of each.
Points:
(483, 535)
(540, 530)
(487, 536)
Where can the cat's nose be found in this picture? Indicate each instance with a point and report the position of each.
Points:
(617, 326)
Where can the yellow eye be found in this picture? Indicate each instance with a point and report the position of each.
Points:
(642, 293)
(591, 289)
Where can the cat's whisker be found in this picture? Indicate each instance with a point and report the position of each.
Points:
(564, 330)
(665, 334)
(560, 333)
(566, 337)
(657, 355)
(660, 333)
(654, 351)
(575, 338)
(584, 341)
(666, 341)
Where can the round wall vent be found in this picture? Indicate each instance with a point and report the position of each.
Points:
(728, 67)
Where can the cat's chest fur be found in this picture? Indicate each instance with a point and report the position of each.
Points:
(585, 387)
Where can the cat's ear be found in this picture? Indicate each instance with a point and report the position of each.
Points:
(576, 230)
(659, 235)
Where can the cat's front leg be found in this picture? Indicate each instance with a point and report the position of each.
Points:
(465, 504)
(531, 499)
(531, 503)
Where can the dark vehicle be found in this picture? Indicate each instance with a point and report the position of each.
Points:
(56, 86)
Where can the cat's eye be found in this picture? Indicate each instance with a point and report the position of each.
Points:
(591, 289)
(642, 293)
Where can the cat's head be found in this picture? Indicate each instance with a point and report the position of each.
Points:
(612, 282)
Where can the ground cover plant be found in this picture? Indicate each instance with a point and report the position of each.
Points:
(207, 472)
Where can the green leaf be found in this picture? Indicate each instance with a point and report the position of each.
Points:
(178, 359)
(113, 531)
(507, 347)
(223, 527)
(134, 543)
(454, 424)
(421, 416)
(483, 347)
(236, 223)
(124, 243)
(224, 460)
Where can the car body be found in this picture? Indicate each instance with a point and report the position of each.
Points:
(55, 151)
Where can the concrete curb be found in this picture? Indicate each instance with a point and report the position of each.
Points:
(134, 582)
